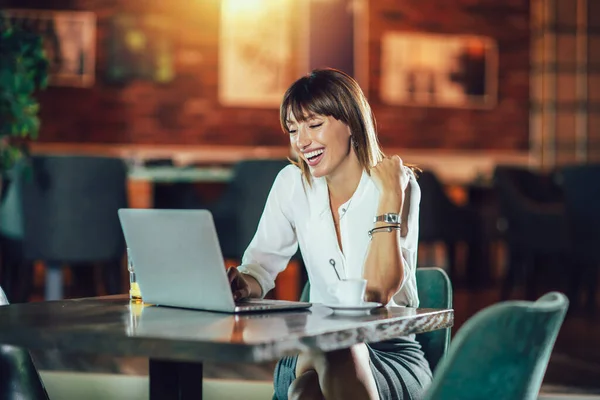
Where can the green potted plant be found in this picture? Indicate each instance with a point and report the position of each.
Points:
(23, 71)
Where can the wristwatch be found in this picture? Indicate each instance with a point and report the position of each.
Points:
(389, 218)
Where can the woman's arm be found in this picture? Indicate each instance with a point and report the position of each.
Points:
(384, 265)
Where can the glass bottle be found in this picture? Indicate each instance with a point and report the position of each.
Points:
(134, 289)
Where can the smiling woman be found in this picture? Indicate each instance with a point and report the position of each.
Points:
(345, 204)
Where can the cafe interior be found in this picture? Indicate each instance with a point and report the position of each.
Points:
(174, 105)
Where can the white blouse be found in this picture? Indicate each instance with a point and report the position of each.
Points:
(299, 214)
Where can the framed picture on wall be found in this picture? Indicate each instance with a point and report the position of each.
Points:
(438, 70)
(69, 42)
(257, 52)
(139, 47)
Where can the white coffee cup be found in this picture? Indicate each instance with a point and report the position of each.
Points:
(349, 292)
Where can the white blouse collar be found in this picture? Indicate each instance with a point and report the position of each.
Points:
(321, 193)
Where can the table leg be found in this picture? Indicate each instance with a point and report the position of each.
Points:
(54, 282)
(175, 380)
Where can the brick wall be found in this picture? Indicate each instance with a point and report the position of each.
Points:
(187, 111)
(505, 126)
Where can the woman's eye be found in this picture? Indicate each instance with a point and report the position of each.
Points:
(315, 125)
(292, 131)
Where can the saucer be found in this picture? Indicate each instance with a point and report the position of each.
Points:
(353, 309)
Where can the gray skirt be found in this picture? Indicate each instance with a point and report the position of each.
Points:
(399, 368)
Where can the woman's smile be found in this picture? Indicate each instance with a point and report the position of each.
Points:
(314, 157)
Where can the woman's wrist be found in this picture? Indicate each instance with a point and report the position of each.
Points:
(390, 202)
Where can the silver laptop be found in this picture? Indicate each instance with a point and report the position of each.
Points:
(178, 262)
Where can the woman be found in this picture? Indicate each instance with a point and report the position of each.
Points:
(330, 204)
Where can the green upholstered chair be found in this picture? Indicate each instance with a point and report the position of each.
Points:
(435, 291)
(305, 296)
(501, 352)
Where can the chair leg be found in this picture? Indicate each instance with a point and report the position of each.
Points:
(54, 282)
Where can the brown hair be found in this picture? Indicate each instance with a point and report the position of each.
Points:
(330, 92)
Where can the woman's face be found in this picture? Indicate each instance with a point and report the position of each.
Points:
(322, 141)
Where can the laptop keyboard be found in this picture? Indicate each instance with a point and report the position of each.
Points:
(260, 304)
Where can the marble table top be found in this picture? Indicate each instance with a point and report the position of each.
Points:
(114, 326)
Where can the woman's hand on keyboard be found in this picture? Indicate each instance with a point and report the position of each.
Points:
(239, 286)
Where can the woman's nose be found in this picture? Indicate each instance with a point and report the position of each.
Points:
(303, 140)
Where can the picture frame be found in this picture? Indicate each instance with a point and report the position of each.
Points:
(69, 41)
(140, 48)
(438, 70)
(256, 52)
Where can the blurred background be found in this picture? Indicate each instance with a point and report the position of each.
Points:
(175, 105)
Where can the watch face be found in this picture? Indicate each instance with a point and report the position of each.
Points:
(391, 218)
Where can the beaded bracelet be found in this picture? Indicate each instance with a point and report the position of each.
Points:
(386, 228)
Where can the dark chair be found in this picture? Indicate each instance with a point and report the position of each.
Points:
(501, 352)
(533, 221)
(19, 378)
(441, 220)
(238, 210)
(69, 215)
(581, 185)
(435, 291)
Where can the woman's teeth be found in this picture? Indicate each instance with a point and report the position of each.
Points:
(313, 153)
